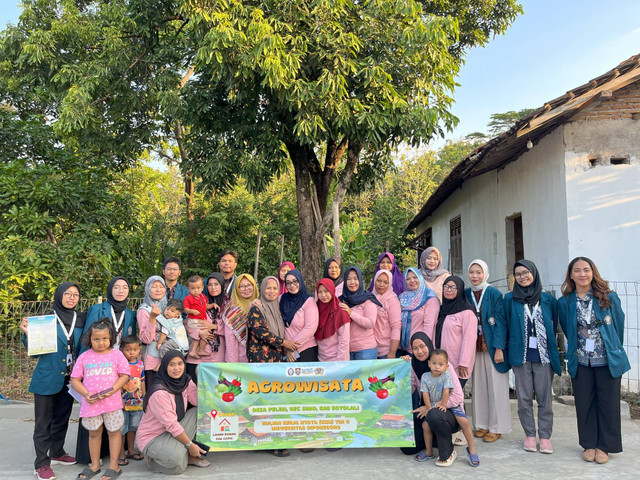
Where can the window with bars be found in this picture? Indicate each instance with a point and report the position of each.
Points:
(455, 245)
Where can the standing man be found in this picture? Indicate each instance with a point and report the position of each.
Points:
(227, 263)
(171, 272)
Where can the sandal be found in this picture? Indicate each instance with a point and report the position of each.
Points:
(459, 440)
(136, 456)
(87, 473)
(281, 453)
(448, 462)
(122, 462)
(423, 457)
(474, 461)
(111, 474)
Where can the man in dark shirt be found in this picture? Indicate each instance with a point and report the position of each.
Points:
(227, 263)
(171, 272)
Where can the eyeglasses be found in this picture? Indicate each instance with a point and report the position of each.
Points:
(522, 274)
(172, 269)
(450, 288)
(291, 282)
(245, 287)
(71, 295)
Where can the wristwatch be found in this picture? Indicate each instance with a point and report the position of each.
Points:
(188, 445)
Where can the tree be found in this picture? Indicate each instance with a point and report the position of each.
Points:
(501, 122)
(244, 86)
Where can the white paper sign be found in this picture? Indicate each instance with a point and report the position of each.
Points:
(42, 334)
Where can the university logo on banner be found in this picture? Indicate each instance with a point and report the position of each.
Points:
(254, 406)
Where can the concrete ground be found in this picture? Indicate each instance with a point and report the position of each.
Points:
(503, 459)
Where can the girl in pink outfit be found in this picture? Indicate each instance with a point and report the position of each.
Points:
(433, 270)
(234, 317)
(388, 321)
(154, 303)
(420, 307)
(98, 375)
(334, 325)
(362, 308)
(300, 316)
(456, 330)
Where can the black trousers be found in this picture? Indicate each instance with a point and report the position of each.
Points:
(149, 378)
(52, 414)
(191, 370)
(597, 397)
(443, 425)
(309, 355)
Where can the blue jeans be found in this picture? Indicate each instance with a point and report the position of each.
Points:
(368, 354)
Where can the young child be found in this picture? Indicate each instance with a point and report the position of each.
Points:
(173, 335)
(196, 306)
(98, 375)
(132, 396)
(436, 387)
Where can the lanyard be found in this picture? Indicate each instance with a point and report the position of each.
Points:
(531, 315)
(116, 322)
(70, 332)
(478, 304)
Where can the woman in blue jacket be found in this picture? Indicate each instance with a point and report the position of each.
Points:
(52, 402)
(593, 322)
(490, 381)
(532, 321)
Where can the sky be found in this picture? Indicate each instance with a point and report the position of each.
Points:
(555, 46)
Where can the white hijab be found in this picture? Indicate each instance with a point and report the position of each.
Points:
(485, 269)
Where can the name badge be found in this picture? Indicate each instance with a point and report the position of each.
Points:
(69, 359)
(479, 329)
(607, 319)
(590, 345)
(492, 321)
(533, 342)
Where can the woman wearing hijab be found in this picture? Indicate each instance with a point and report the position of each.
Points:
(456, 329)
(123, 320)
(266, 342)
(300, 316)
(282, 271)
(388, 321)
(214, 351)
(387, 262)
(593, 322)
(332, 272)
(234, 317)
(52, 402)
(442, 424)
(490, 380)
(166, 431)
(334, 329)
(362, 308)
(433, 271)
(155, 300)
(420, 307)
(532, 318)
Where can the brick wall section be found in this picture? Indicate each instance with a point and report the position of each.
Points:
(624, 103)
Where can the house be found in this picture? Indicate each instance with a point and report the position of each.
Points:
(393, 421)
(562, 182)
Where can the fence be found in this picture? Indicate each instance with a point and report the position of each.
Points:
(16, 367)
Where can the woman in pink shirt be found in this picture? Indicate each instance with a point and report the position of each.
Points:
(362, 308)
(433, 271)
(388, 322)
(420, 307)
(332, 272)
(155, 300)
(167, 428)
(334, 327)
(300, 316)
(456, 330)
(234, 317)
(214, 351)
(282, 271)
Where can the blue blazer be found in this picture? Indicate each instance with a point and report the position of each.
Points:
(514, 312)
(103, 310)
(181, 292)
(611, 327)
(494, 325)
(48, 376)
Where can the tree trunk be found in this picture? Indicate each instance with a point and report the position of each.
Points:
(188, 177)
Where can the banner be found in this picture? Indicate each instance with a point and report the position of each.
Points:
(256, 406)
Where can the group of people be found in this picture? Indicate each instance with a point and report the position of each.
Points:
(448, 332)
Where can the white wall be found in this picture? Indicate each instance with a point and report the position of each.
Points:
(534, 185)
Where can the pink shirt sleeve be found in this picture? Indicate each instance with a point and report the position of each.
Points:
(231, 353)
(395, 318)
(344, 336)
(147, 329)
(469, 339)
(457, 397)
(163, 407)
(308, 330)
(368, 318)
(431, 311)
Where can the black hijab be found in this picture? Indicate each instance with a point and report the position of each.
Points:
(290, 303)
(218, 299)
(531, 294)
(360, 295)
(172, 385)
(325, 274)
(451, 307)
(66, 314)
(118, 306)
(421, 367)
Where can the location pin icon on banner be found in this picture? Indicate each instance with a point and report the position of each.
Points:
(214, 413)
